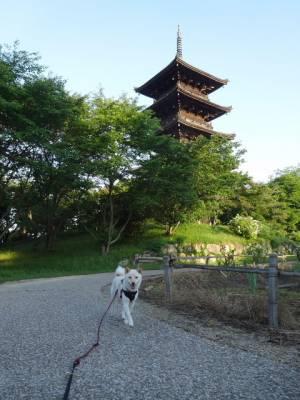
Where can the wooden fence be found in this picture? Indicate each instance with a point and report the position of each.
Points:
(170, 263)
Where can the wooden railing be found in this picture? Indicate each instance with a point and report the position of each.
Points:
(193, 91)
(272, 272)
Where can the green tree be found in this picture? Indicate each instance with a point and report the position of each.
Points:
(16, 67)
(165, 188)
(286, 184)
(257, 200)
(53, 158)
(115, 146)
(41, 132)
(215, 174)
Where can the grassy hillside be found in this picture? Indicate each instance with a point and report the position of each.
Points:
(196, 233)
(74, 255)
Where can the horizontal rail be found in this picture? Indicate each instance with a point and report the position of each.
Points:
(153, 258)
(219, 256)
(212, 268)
(205, 257)
(289, 273)
(148, 259)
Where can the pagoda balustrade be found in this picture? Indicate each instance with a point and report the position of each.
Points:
(194, 90)
(193, 118)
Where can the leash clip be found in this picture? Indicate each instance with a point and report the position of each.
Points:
(76, 362)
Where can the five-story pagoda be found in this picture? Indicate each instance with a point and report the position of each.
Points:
(180, 92)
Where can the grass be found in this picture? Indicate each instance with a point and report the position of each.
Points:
(80, 254)
(198, 233)
(296, 266)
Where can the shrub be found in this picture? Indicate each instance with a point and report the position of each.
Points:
(245, 226)
(227, 259)
(284, 245)
(258, 251)
(271, 232)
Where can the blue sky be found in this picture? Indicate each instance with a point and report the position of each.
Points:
(120, 44)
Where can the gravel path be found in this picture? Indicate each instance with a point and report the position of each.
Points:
(46, 323)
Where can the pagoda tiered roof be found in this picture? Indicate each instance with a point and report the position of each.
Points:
(190, 98)
(181, 127)
(180, 93)
(166, 77)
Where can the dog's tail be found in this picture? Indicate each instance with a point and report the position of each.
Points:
(119, 275)
(120, 271)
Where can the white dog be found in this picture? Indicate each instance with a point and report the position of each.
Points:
(127, 283)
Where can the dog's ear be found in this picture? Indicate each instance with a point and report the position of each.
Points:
(127, 270)
(140, 270)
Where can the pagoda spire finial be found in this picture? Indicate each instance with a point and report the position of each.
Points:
(179, 43)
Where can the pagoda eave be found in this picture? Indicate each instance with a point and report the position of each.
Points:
(180, 95)
(170, 73)
(181, 127)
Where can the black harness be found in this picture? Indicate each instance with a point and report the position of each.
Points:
(130, 295)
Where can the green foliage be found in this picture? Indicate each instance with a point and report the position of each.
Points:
(298, 252)
(203, 233)
(72, 255)
(228, 257)
(24, 65)
(165, 188)
(76, 254)
(287, 186)
(252, 282)
(258, 251)
(116, 145)
(245, 226)
(70, 163)
(259, 254)
(41, 132)
(256, 200)
(214, 175)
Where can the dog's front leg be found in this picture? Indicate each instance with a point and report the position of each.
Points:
(131, 305)
(126, 311)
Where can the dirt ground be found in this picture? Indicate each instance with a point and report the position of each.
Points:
(226, 308)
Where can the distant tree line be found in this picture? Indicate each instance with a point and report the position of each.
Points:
(77, 163)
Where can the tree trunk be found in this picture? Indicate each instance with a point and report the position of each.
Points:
(170, 229)
(50, 240)
(106, 246)
(51, 237)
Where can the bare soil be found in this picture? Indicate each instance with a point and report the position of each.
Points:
(225, 308)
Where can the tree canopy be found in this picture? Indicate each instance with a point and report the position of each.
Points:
(73, 163)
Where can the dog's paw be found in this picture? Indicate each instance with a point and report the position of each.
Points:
(130, 324)
(125, 321)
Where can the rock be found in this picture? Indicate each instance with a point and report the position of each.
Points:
(213, 248)
(170, 249)
(202, 249)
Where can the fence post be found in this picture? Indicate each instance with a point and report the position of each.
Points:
(168, 279)
(272, 290)
(136, 260)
